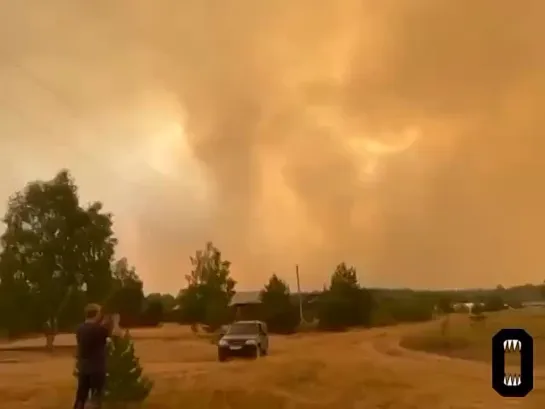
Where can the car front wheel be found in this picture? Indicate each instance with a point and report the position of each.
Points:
(222, 356)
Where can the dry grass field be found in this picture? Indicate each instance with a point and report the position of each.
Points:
(360, 369)
(465, 340)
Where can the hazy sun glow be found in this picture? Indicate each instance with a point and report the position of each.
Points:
(162, 148)
(166, 151)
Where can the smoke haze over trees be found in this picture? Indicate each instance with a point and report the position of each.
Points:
(405, 136)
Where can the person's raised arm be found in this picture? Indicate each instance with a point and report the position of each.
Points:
(116, 329)
(111, 323)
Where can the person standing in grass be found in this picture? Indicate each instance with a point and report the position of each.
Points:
(92, 337)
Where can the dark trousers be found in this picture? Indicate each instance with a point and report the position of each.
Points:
(90, 385)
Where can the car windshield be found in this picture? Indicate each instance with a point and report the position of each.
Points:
(243, 328)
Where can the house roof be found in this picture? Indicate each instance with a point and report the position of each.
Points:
(254, 297)
(245, 297)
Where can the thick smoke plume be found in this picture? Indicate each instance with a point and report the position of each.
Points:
(404, 137)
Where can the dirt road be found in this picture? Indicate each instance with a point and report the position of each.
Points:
(363, 369)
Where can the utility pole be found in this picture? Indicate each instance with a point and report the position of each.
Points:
(299, 293)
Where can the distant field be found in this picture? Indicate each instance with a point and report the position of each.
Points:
(366, 369)
(463, 340)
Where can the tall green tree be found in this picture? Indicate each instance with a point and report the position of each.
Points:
(279, 311)
(161, 308)
(153, 313)
(167, 300)
(345, 303)
(55, 254)
(127, 298)
(209, 289)
(445, 305)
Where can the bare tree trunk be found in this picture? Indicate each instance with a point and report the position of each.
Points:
(445, 325)
(52, 325)
(50, 333)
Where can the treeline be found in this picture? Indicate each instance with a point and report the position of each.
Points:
(57, 254)
(344, 303)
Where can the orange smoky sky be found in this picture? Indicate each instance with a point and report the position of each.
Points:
(404, 137)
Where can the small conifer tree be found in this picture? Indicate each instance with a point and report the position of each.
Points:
(125, 382)
(124, 379)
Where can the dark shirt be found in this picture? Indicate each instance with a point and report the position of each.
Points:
(92, 340)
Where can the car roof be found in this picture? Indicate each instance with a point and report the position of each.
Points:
(249, 322)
